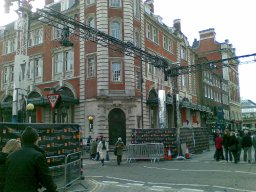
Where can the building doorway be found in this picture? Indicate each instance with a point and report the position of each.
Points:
(117, 125)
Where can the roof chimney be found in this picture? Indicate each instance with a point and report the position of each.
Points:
(177, 25)
(47, 2)
(150, 3)
(207, 34)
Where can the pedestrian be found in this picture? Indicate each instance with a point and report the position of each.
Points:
(97, 158)
(247, 146)
(233, 146)
(119, 150)
(11, 146)
(102, 149)
(93, 149)
(239, 146)
(226, 137)
(27, 169)
(254, 145)
(218, 146)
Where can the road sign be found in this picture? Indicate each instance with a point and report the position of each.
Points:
(53, 99)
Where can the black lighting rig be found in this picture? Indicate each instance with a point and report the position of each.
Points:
(51, 17)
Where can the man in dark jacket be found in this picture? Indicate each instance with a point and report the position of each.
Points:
(27, 169)
(247, 146)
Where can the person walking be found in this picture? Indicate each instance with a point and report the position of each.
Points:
(247, 146)
(218, 146)
(102, 150)
(119, 150)
(93, 149)
(226, 137)
(27, 169)
(254, 145)
(11, 146)
(239, 146)
(233, 146)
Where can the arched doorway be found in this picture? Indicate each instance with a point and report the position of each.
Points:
(117, 125)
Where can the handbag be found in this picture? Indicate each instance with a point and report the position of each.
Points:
(115, 151)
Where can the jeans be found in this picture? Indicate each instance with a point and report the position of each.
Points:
(247, 153)
(228, 154)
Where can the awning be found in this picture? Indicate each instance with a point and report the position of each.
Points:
(5, 105)
(152, 101)
(189, 105)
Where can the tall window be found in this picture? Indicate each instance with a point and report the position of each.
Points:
(6, 74)
(36, 37)
(116, 71)
(89, 2)
(68, 60)
(115, 3)
(136, 8)
(22, 71)
(183, 53)
(58, 63)
(57, 32)
(91, 66)
(9, 46)
(91, 22)
(152, 33)
(137, 40)
(116, 29)
(11, 73)
(138, 79)
(167, 44)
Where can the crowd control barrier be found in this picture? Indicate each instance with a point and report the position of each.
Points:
(66, 171)
(146, 151)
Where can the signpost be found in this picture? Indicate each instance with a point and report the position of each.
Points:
(53, 99)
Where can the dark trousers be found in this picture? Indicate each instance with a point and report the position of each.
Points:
(218, 154)
(119, 159)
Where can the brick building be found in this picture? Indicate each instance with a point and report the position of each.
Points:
(97, 82)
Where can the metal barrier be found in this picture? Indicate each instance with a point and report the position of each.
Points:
(146, 151)
(66, 171)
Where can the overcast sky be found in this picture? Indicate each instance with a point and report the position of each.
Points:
(232, 19)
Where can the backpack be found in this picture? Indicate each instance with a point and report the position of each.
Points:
(103, 145)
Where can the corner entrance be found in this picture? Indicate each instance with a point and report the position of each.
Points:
(117, 125)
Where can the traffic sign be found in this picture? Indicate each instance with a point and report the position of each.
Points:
(53, 99)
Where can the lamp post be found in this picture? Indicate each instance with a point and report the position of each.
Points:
(30, 108)
(90, 119)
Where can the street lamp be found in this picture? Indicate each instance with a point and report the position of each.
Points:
(90, 119)
(30, 108)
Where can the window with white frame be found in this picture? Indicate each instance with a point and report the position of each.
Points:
(58, 63)
(11, 73)
(91, 66)
(6, 75)
(91, 22)
(56, 34)
(89, 2)
(155, 35)
(136, 8)
(115, 3)
(36, 37)
(66, 4)
(22, 71)
(137, 40)
(38, 62)
(167, 44)
(68, 60)
(152, 33)
(138, 79)
(116, 71)
(184, 81)
(9, 46)
(151, 68)
(116, 29)
(183, 53)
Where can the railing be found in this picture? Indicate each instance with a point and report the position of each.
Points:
(66, 171)
(146, 151)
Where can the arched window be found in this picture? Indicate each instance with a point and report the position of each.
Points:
(116, 29)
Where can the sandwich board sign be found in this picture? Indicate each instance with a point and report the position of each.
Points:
(53, 99)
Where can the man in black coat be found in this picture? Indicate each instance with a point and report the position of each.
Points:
(27, 169)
